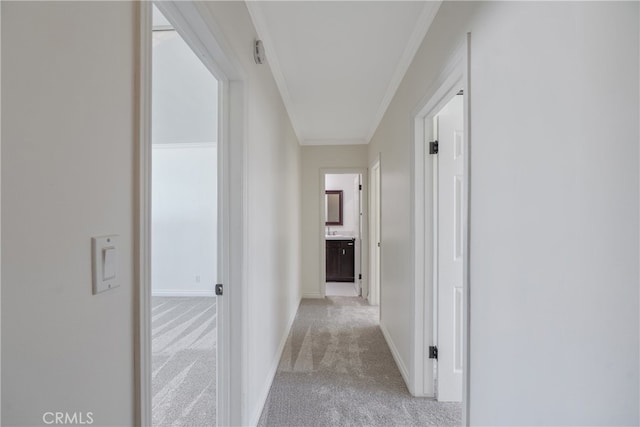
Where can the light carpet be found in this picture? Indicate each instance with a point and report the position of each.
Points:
(183, 361)
(337, 370)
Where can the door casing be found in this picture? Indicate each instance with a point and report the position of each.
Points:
(375, 233)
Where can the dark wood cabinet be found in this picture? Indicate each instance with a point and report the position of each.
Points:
(340, 256)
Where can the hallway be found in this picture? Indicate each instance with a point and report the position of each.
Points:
(547, 212)
(336, 369)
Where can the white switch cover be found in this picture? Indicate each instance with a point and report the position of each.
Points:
(109, 265)
(104, 250)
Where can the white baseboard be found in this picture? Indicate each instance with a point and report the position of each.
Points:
(396, 356)
(272, 371)
(312, 295)
(182, 293)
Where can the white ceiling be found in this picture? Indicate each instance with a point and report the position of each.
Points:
(339, 63)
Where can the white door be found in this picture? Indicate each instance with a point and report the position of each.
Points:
(374, 232)
(449, 128)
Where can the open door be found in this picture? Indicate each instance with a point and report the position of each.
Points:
(448, 127)
(357, 190)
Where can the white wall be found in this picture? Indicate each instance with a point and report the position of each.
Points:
(272, 209)
(344, 182)
(67, 174)
(184, 225)
(184, 169)
(185, 94)
(554, 208)
(315, 158)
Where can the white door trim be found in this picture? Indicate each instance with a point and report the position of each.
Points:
(364, 267)
(374, 221)
(197, 28)
(143, 245)
(0, 219)
(454, 76)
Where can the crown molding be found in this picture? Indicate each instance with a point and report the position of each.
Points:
(420, 30)
(260, 24)
(421, 27)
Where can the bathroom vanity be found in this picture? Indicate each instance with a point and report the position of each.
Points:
(340, 256)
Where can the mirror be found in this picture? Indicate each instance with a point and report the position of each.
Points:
(333, 207)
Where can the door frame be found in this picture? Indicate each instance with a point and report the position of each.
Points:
(364, 248)
(0, 215)
(375, 215)
(197, 27)
(453, 77)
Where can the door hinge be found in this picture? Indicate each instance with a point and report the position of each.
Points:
(433, 352)
(219, 289)
(360, 187)
(360, 276)
(433, 147)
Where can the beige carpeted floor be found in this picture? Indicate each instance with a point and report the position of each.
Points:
(337, 370)
(183, 361)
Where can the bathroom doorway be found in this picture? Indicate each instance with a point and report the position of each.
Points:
(344, 233)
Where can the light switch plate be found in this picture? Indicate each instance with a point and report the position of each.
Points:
(104, 254)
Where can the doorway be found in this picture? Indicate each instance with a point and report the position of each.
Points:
(188, 19)
(343, 234)
(344, 231)
(441, 176)
(191, 21)
(184, 228)
(441, 222)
